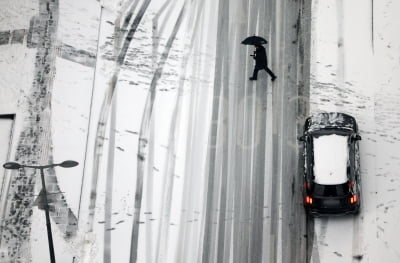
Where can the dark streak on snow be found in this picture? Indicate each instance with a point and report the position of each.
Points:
(16, 36)
(79, 56)
(32, 37)
(142, 141)
(5, 37)
(211, 171)
(372, 25)
(132, 132)
(194, 15)
(338, 254)
(105, 108)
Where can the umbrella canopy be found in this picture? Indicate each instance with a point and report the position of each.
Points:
(254, 40)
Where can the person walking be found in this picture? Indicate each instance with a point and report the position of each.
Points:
(260, 56)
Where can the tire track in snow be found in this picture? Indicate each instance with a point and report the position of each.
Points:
(211, 172)
(156, 34)
(226, 153)
(372, 25)
(142, 144)
(109, 185)
(341, 52)
(131, 7)
(296, 66)
(189, 216)
(247, 132)
(104, 113)
(127, 35)
(180, 255)
(311, 242)
(290, 31)
(322, 226)
(35, 144)
(259, 150)
(275, 201)
(240, 78)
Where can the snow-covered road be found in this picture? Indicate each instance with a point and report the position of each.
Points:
(182, 158)
(355, 69)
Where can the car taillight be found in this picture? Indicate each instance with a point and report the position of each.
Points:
(353, 199)
(307, 185)
(309, 200)
(351, 184)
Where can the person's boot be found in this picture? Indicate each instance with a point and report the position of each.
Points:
(252, 78)
(273, 78)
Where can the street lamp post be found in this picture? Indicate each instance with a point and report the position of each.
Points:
(65, 164)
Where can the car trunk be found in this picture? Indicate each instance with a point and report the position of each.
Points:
(332, 191)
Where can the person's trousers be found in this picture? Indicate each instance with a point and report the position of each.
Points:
(257, 68)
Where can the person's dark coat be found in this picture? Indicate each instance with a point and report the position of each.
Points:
(260, 57)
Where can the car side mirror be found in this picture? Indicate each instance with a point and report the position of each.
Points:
(301, 138)
(357, 137)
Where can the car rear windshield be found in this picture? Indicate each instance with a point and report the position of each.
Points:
(330, 190)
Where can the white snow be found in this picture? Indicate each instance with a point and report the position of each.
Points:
(344, 60)
(16, 14)
(355, 69)
(331, 156)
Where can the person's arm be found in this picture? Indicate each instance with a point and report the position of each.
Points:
(254, 54)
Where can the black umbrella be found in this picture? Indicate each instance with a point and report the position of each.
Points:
(254, 40)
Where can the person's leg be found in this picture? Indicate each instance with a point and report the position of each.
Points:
(255, 73)
(273, 76)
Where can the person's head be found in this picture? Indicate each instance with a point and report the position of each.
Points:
(257, 45)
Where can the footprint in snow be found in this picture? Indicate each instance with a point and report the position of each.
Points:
(338, 254)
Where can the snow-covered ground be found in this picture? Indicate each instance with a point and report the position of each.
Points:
(355, 69)
(168, 54)
(182, 159)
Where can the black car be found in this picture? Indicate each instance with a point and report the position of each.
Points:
(331, 164)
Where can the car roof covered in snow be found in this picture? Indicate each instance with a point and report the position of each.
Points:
(331, 155)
